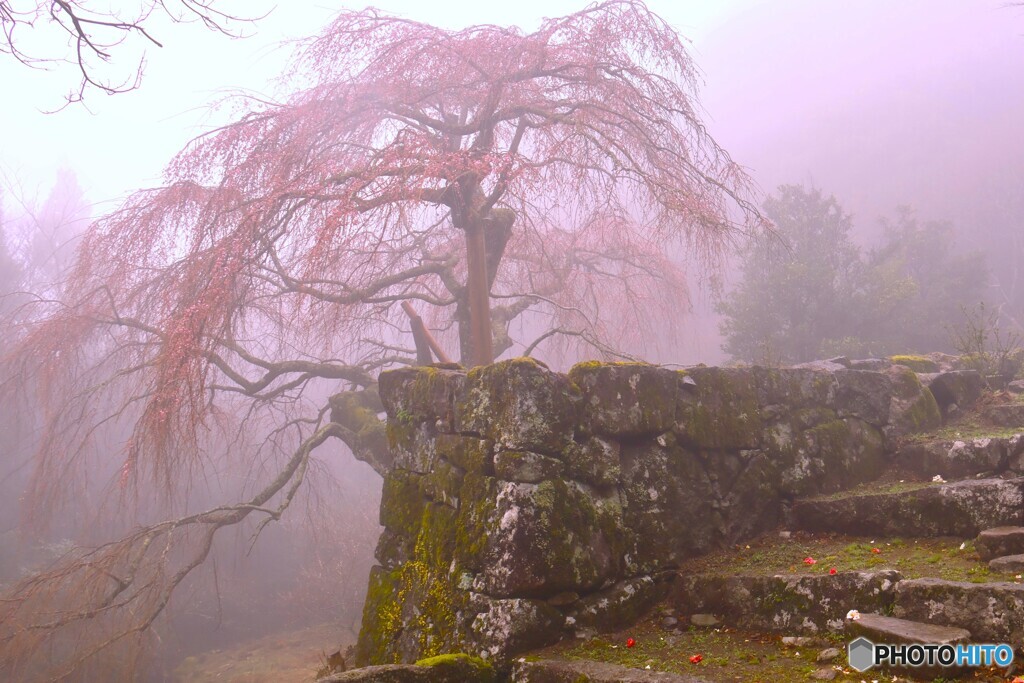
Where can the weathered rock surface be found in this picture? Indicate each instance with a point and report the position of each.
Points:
(954, 459)
(594, 460)
(912, 409)
(794, 604)
(1009, 415)
(619, 605)
(458, 668)
(955, 387)
(516, 625)
(417, 394)
(862, 394)
(992, 612)
(385, 673)
(882, 629)
(525, 505)
(921, 364)
(955, 509)
(520, 405)
(1007, 563)
(549, 538)
(873, 364)
(526, 467)
(1000, 541)
(627, 399)
(556, 671)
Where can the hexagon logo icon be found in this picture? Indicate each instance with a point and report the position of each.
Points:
(861, 654)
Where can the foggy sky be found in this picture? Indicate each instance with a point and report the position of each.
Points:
(882, 103)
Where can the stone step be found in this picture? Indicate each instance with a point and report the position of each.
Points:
(882, 629)
(892, 630)
(961, 458)
(992, 612)
(1000, 541)
(406, 673)
(960, 508)
(808, 603)
(558, 671)
(1007, 564)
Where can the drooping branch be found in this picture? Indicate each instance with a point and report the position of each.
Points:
(106, 599)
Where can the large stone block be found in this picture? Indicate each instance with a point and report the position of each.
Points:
(470, 453)
(794, 388)
(721, 409)
(619, 605)
(912, 408)
(829, 456)
(1000, 541)
(957, 509)
(864, 395)
(519, 405)
(560, 671)
(594, 460)
(793, 604)
(421, 393)
(955, 387)
(457, 668)
(549, 538)
(667, 505)
(627, 399)
(526, 467)
(992, 612)
(953, 459)
(509, 627)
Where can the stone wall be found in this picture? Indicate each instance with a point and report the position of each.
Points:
(526, 504)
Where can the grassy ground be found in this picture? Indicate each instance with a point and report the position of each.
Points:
(290, 657)
(727, 656)
(965, 430)
(918, 557)
(886, 484)
(971, 424)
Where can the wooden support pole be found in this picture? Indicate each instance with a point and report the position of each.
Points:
(479, 294)
(425, 342)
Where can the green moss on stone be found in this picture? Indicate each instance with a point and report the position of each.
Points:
(382, 619)
(519, 404)
(468, 452)
(442, 483)
(402, 502)
(626, 399)
(725, 413)
(916, 363)
(466, 668)
(476, 508)
(401, 434)
(924, 414)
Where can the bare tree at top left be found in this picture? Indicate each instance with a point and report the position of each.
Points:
(106, 42)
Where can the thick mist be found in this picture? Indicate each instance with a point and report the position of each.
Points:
(878, 104)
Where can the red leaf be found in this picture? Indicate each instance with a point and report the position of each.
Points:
(696, 659)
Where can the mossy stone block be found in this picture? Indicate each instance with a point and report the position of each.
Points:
(627, 399)
(519, 405)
